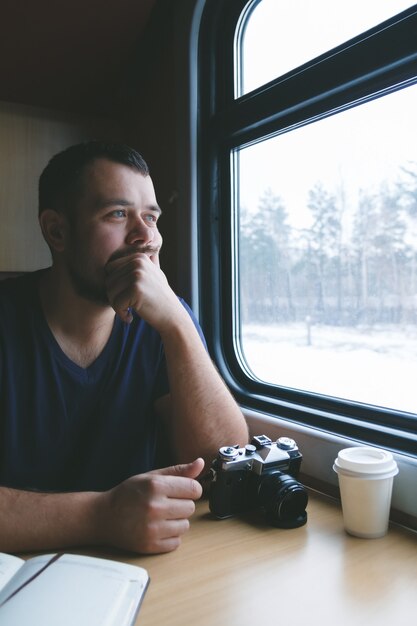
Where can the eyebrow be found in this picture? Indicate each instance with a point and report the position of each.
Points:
(123, 202)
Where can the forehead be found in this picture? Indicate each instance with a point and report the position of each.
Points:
(106, 180)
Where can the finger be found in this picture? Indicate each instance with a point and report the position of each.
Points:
(190, 470)
(174, 528)
(123, 304)
(165, 536)
(180, 487)
(115, 263)
(180, 509)
(126, 280)
(118, 279)
(165, 545)
(180, 481)
(123, 309)
(130, 266)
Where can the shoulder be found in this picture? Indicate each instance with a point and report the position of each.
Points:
(15, 284)
(17, 291)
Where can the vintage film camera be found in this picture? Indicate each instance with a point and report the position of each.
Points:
(261, 475)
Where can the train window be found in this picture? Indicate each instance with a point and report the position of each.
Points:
(307, 195)
(326, 224)
(279, 36)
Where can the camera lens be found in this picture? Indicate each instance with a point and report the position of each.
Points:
(284, 500)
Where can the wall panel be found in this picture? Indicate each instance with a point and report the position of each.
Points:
(28, 138)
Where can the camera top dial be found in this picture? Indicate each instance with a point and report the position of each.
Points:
(228, 453)
(286, 443)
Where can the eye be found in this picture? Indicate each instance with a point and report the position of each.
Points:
(151, 218)
(118, 213)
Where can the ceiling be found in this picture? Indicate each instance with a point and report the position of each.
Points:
(68, 54)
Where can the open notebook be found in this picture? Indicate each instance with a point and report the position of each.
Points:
(69, 590)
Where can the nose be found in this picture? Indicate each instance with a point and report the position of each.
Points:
(140, 232)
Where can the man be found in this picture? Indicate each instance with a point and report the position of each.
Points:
(97, 354)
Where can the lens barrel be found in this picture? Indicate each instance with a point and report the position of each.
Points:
(284, 500)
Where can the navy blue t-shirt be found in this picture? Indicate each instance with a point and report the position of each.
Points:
(66, 428)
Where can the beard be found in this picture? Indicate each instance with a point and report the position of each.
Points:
(90, 289)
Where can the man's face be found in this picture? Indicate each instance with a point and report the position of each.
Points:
(115, 216)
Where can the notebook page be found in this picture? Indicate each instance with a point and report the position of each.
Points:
(9, 565)
(77, 590)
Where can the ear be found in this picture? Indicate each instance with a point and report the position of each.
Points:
(54, 227)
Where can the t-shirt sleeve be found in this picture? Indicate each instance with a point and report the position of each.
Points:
(162, 383)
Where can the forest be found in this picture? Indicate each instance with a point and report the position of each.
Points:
(351, 266)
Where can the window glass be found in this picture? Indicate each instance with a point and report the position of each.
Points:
(326, 224)
(279, 36)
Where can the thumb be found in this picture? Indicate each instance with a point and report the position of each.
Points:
(189, 470)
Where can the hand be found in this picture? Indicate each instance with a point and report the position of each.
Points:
(149, 513)
(137, 282)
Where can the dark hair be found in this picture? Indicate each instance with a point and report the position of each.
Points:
(60, 181)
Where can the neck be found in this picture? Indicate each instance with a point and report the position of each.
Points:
(81, 327)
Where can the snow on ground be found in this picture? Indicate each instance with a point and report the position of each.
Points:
(375, 365)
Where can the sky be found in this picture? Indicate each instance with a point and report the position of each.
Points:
(356, 149)
(280, 36)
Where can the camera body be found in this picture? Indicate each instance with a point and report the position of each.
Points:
(262, 475)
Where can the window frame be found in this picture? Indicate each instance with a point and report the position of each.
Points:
(357, 71)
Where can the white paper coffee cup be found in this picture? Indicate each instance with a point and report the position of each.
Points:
(366, 477)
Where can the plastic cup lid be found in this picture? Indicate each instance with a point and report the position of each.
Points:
(365, 459)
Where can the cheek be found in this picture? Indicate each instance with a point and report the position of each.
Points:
(95, 247)
(103, 239)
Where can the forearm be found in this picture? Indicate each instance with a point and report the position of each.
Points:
(42, 521)
(204, 414)
(147, 513)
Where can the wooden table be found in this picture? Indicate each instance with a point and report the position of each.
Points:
(241, 572)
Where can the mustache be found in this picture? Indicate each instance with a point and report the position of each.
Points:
(120, 254)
